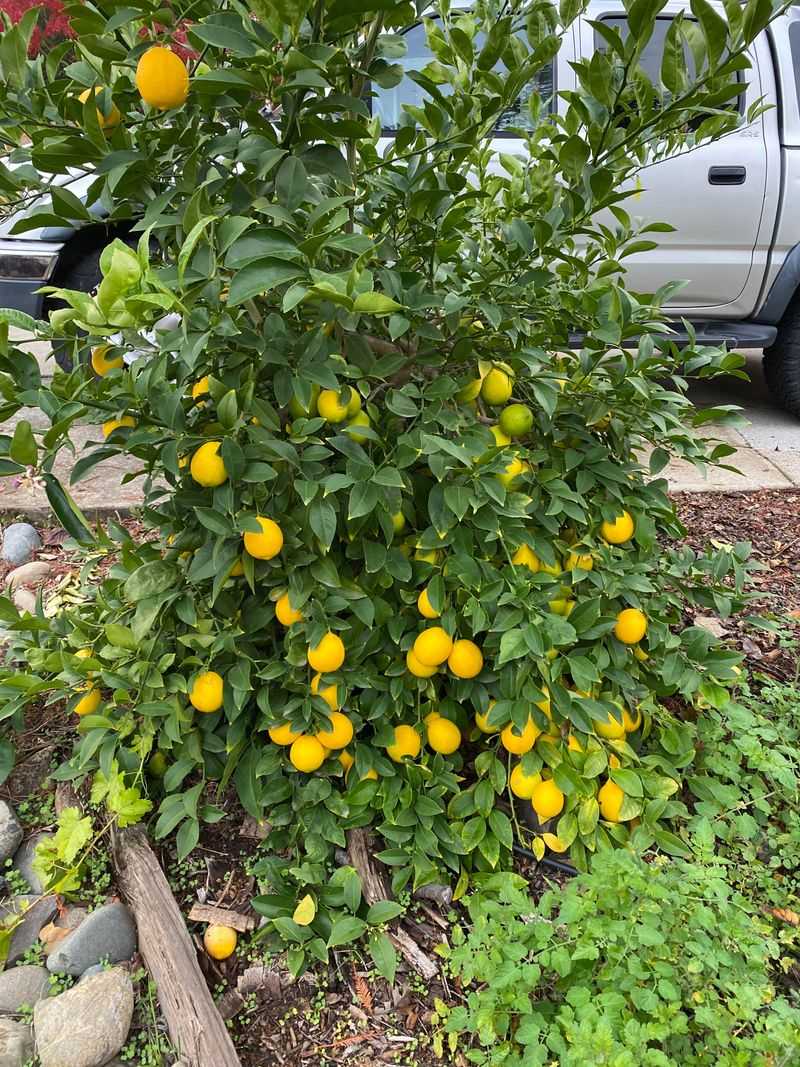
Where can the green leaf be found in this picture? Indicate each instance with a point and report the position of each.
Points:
(7, 759)
(260, 277)
(121, 636)
(23, 445)
(345, 929)
(281, 17)
(383, 955)
(291, 183)
(149, 580)
(512, 646)
(375, 304)
(187, 837)
(66, 510)
(383, 911)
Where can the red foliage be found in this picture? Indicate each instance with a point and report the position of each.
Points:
(53, 25)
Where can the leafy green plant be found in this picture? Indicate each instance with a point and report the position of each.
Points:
(343, 368)
(659, 965)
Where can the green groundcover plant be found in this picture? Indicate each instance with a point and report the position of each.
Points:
(634, 964)
(402, 544)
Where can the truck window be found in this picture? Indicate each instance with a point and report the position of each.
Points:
(650, 60)
(388, 103)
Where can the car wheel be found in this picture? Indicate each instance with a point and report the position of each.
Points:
(84, 275)
(782, 361)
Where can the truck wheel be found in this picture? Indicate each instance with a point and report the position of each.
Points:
(84, 275)
(782, 361)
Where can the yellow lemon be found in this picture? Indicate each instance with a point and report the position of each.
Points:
(630, 722)
(162, 78)
(207, 467)
(519, 743)
(346, 761)
(206, 693)
(236, 570)
(84, 653)
(631, 626)
(433, 646)
(526, 557)
(285, 613)
(330, 694)
(371, 775)
(579, 561)
(340, 733)
(429, 555)
(547, 800)
(613, 762)
(619, 531)
(611, 728)
(425, 607)
(443, 736)
(522, 784)
(330, 406)
(516, 420)
(640, 654)
(101, 363)
(306, 754)
(469, 392)
(421, 670)
(482, 721)
(610, 798)
(430, 717)
(550, 568)
(573, 744)
(512, 472)
(496, 387)
(465, 659)
(220, 941)
(268, 543)
(500, 439)
(407, 742)
(200, 388)
(353, 405)
(398, 522)
(544, 703)
(297, 410)
(88, 704)
(283, 734)
(106, 122)
(117, 424)
(328, 655)
(360, 419)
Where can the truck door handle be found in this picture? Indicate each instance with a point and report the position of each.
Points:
(727, 175)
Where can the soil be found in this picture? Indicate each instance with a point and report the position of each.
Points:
(347, 1015)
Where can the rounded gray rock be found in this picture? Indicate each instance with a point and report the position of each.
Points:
(16, 1043)
(23, 861)
(105, 935)
(24, 600)
(86, 1026)
(23, 985)
(28, 575)
(11, 833)
(20, 541)
(34, 913)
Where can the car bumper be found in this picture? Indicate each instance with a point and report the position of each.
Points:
(21, 295)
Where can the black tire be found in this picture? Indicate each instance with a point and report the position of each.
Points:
(84, 275)
(782, 361)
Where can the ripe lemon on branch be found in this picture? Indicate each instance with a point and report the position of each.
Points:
(206, 693)
(307, 754)
(268, 543)
(109, 121)
(328, 655)
(619, 531)
(407, 742)
(433, 646)
(496, 387)
(162, 78)
(631, 626)
(443, 736)
(207, 467)
(547, 799)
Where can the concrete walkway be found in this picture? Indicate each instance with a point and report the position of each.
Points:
(767, 455)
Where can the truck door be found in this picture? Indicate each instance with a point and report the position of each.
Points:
(713, 195)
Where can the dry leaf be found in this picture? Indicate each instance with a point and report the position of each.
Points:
(50, 933)
(787, 915)
(363, 992)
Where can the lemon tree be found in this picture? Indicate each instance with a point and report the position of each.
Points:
(408, 559)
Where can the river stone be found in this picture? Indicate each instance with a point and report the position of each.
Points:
(16, 1043)
(87, 1025)
(107, 934)
(23, 985)
(39, 910)
(29, 574)
(23, 861)
(24, 600)
(20, 541)
(11, 832)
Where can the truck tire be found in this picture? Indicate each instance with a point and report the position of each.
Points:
(84, 275)
(782, 361)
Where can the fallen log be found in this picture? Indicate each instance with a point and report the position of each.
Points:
(375, 887)
(195, 1026)
(207, 913)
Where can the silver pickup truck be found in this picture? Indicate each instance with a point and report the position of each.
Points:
(735, 204)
